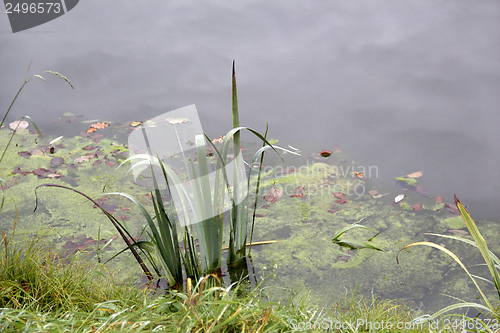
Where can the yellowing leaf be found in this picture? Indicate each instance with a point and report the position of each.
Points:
(135, 123)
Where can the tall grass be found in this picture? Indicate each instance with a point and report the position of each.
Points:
(34, 278)
(491, 260)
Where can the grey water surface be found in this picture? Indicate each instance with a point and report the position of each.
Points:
(405, 86)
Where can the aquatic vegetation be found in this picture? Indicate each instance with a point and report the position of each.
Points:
(492, 262)
(354, 244)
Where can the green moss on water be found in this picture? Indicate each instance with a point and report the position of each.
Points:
(64, 212)
(410, 181)
(454, 222)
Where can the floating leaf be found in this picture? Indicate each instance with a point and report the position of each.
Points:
(422, 191)
(352, 244)
(439, 199)
(89, 148)
(85, 158)
(299, 192)
(105, 205)
(415, 174)
(95, 126)
(57, 161)
(275, 194)
(326, 153)
(340, 195)
(333, 210)
(399, 198)
(18, 124)
(341, 201)
(135, 123)
(55, 175)
(373, 192)
(219, 140)
(24, 154)
(40, 172)
(36, 152)
(452, 208)
(56, 139)
(417, 207)
(359, 174)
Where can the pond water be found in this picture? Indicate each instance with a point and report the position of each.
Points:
(403, 87)
(318, 199)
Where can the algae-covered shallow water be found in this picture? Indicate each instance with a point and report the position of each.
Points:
(304, 221)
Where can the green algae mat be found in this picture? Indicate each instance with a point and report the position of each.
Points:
(301, 207)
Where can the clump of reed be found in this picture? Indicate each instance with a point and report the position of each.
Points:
(205, 202)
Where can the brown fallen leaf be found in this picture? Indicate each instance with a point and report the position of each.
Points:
(95, 126)
(299, 192)
(422, 191)
(40, 172)
(275, 194)
(417, 207)
(340, 195)
(452, 208)
(373, 192)
(415, 174)
(18, 124)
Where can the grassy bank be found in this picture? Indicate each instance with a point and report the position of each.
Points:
(41, 292)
